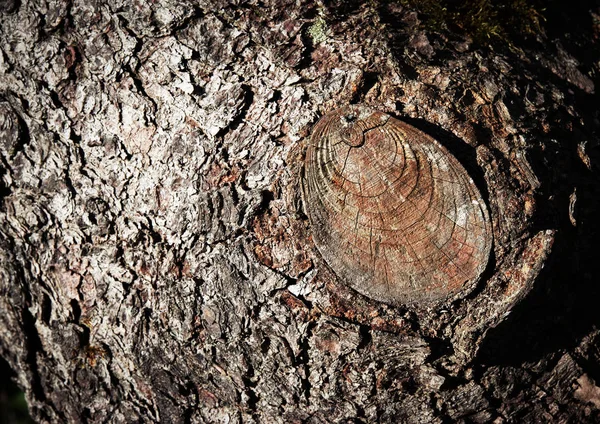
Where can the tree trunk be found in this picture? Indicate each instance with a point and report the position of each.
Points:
(157, 263)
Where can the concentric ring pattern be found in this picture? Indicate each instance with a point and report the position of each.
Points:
(392, 212)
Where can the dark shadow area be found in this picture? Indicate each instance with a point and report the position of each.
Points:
(576, 27)
(13, 407)
(4, 190)
(563, 306)
(342, 8)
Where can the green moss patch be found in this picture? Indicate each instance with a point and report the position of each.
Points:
(483, 20)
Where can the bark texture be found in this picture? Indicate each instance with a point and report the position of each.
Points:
(156, 262)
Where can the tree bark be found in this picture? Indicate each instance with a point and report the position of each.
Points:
(156, 261)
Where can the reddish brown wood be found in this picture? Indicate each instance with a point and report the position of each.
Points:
(393, 213)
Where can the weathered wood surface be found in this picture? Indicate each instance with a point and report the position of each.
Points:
(156, 264)
(394, 214)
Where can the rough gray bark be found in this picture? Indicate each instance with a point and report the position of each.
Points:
(156, 264)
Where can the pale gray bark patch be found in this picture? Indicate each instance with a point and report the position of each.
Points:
(156, 264)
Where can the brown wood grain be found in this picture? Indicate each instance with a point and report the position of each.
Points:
(393, 213)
